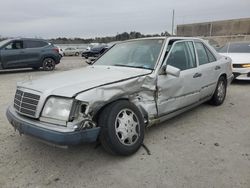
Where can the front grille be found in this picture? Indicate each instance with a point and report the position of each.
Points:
(26, 103)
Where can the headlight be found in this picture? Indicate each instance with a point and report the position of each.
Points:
(246, 65)
(57, 108)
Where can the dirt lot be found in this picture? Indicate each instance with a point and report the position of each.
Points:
(206, 147)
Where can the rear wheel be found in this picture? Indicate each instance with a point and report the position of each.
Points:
(220, 92)
(123, 127)
(49, 64)
(77, 54)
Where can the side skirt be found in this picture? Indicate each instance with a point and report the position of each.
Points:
(176, 112)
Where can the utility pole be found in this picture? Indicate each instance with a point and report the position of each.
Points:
(173, 23)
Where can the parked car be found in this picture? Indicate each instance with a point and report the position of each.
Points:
(239, 52)
(134, 85)
(25, 53)
(95, 51)
(71, 51)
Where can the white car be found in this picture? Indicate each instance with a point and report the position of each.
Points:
(239, 52)
(60, 50)
(71, 52)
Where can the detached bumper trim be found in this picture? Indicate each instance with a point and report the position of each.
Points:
(60, 138)
(230, 79)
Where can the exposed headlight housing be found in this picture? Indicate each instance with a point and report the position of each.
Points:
(57, 109)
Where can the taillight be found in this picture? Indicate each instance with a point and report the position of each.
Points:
(56, 50)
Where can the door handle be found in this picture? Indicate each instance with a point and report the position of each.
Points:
(217, 68)
(22, 52)
(197, 75)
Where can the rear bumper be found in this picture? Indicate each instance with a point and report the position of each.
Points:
(24, 126)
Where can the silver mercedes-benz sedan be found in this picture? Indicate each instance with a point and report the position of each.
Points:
(135, 84)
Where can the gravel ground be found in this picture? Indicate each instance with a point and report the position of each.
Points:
(206, 147)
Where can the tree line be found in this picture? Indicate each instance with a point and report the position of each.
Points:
(118, 37)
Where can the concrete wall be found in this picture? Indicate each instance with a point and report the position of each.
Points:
(217, 28)
(219, 41)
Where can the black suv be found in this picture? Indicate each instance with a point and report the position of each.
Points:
(25, 53)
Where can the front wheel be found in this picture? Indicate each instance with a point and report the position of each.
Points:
(77, 54)
(49, 64)
(220, 92)
(122, 128)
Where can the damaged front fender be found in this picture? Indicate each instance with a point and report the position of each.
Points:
(140, 91)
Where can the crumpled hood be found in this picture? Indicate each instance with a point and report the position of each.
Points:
(238, 58)
(69, 83)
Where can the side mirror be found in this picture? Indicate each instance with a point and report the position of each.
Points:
(172, 71)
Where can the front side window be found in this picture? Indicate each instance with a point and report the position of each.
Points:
(135, 54)
(182, 56)
(15, 45)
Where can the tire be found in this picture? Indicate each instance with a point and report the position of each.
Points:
(49, 64)
(77, 54)
(122, 128)
(220, 92)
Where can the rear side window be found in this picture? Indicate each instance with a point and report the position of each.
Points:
(211, 57)
(182, 56)
(35, 44)
(202, 54)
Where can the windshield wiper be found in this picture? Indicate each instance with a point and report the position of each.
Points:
(140, 67)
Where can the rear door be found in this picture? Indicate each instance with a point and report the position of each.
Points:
(175, 93)
(33, 51)
(209, 67)
(13, 55)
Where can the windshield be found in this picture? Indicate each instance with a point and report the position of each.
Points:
(135, 54)
(4, 42)
(236, 48)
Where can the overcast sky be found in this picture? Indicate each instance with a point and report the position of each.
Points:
(90, 18)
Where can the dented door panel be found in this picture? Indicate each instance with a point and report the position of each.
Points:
(177, 92)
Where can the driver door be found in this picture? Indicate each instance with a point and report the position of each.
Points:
(13, 55)
(177, 92)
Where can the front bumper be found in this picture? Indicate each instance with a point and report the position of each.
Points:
(241, 73)
(26, 126)
(241, 76)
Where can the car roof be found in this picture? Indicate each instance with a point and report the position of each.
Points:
(29, 39)
(163, 38)
(168, 37)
